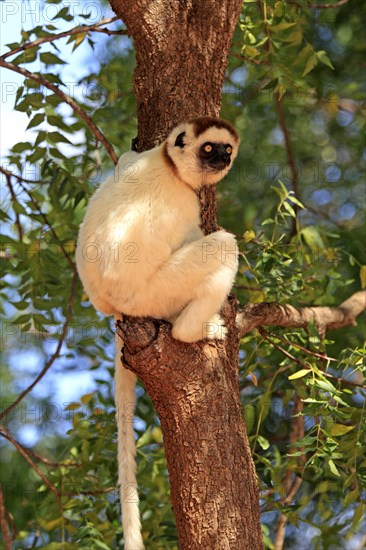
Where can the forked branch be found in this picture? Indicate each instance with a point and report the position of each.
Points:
(67, 99)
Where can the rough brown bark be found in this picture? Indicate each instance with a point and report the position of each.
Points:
(325, 318)
(181, 52)
(195, 392)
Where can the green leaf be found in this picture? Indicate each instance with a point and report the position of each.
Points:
(87, 397)
(41, 320)
(299, 374)
(40, 137)
(250, 51)
(263, 442)
(289, 209)
(51, 59)
(296, 201)
(56, 137)
(295, 38)
(310, 64)
(326, 386)
(313, 238)
(58, 122)
(56, 153)
(13, 45)
(333, 468)
(28, 56)
(18, 207)
(351, 497)
(22, 146)
(72, 406)
(340, 429)
(23, 304)
(282, 26)
(36, 120)
(359, 514)
(363, 276)
(279, 192)
(323, 58)
(249, 236)
(99, 544)
(78, 39)
(22, 319)
(63, 14)
(4, 216)
(38, 153)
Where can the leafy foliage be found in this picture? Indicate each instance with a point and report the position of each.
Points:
(304, 411)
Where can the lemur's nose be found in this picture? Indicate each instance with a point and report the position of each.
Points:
(225, 157)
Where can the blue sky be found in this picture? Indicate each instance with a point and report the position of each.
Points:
(62, 385)
(18, 15)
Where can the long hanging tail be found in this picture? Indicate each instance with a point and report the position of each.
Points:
(125, 382)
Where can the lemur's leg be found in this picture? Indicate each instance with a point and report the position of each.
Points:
(196, 279)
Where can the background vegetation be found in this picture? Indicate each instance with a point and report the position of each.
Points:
(296, 200)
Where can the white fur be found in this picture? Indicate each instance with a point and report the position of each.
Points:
(125, 381)
(141, 252)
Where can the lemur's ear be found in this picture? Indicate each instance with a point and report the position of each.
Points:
(179, 141)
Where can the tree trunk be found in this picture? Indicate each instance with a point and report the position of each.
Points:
(181, 51)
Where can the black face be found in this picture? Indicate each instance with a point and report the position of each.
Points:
(216, 156)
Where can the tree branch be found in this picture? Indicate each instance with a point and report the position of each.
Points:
(67, 99)
(55, 355)
(302, 348)
(20, 178)
(291, 483)
(3, 522)
(14, 199)
(249, 59)
(338, 379)
(50, 463)
(325, 318)
(76, 30)
(4, 432)
(45, 219)
(290, 154)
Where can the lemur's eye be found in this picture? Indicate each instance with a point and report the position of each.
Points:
(228, 149)
(207, 148)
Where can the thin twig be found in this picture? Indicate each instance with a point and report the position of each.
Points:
(290, 154)
(20, 178)
(104, 491)
(282, 521)
(4, 523)
(328, 6)
(338, 379)
(250, 59)
(302, 348)
(265, 335)
(50, 463)
(14, 199)
(111, 33)
(45, 219)
(76, 30)
(35, 540)
(5, 433)
(55, 355)
(343, 380)
(67, 99)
